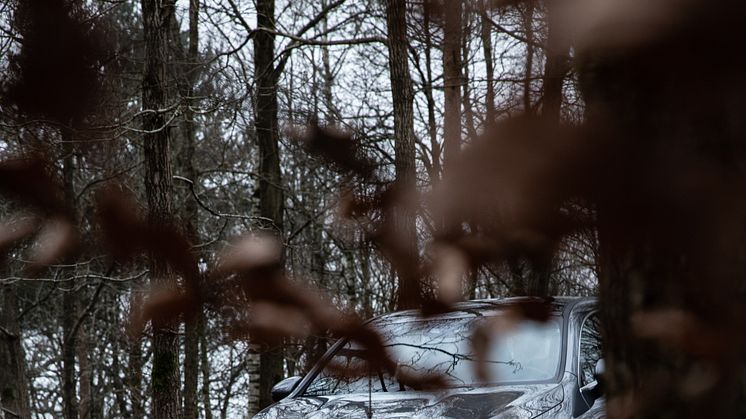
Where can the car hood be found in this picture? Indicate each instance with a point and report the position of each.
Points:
(495, 402)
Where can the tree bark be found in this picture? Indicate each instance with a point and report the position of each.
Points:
(69, 393)
(86, 372)
(469, 119)
(271, 195)
(331, 111)
(135, 364)
(69, 297)
(555, 67)
(116, 372)
(404, 146)
(452, 80)
(253, 370)
(187, 75)
(205, 370)
(13, 385)
(316, 345)
(528, 28)
(432, 127)
(193, 329)
(670, 211)
(157, 16)
(486, 35)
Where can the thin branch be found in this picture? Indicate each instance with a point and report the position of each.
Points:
(13, 279)
(89, 308)
(107, 178)
(510, 33)
(220, 214)
(324, 42)
(308, 26)
(310, 220)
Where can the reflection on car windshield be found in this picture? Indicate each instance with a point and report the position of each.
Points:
(528, 353)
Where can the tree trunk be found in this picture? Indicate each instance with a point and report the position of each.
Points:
(253, 369)
(452, 80)
(528, 28)
(316, 345)
(116, 372)
(486, 35)
(193, 329)
(404, 160)
(670, 213)
(469, 119)
(205, 369)
(271, 195)
(366, 285)
(13, 386)
(187, 76)
(69, 393)
(69, 297)
(135, 363)
(158, 188)
(86, 370)
(555, 68)
(331, 111)
(432, 127)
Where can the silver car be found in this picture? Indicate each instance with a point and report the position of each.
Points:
(535, 369)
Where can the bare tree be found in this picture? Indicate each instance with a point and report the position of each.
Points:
(70, 296)
(187, 75)
(271, 195)
(157, 15)
(402, 95)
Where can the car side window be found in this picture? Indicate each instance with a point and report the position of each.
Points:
(348, 358)
(590, 348)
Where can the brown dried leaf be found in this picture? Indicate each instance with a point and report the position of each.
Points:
(484, 334)
(283, 321)
(56, 72)
(20, 227)
(511, 187)
(28, 181)
(611, 25)
(450, 269)
(164, 306)
(681, 330)
(534, 309)
(339, 149)
(121, 222)
(249, 254)
(58, 237)
(127, 234)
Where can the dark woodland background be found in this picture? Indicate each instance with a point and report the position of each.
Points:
(186, 184)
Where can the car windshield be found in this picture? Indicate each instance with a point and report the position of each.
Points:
(529, 352)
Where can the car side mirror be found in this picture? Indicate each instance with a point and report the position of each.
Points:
(284, 388)
(595, 389)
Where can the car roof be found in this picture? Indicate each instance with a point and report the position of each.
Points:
(559, 305)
